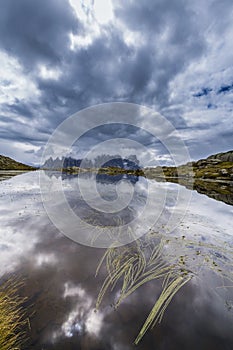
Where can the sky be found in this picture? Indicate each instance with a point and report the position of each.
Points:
(58, 57)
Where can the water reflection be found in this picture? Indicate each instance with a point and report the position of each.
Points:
(63, 290)
(219, 190)
(111, 212)
(7, 174)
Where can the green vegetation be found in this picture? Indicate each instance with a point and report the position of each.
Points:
(193, 170)
(216, 167)
(212, 176)
(116, 171)
(221, 170)
(108, 171)
(7, 163)
(12, 316)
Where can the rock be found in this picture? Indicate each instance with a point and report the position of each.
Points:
(223, 171)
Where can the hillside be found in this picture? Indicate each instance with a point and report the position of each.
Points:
(216, 167)
(212, 176)
(7, 163)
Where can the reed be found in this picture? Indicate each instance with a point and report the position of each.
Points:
(133, 266)
(13, 318)
(161, 304)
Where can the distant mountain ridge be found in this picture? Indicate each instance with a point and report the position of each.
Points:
(60, 163)
(104, 161)
(7, 163)
(214, 166)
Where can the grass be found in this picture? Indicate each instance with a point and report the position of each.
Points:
(161, 304)
(13, 318)
(132, 268)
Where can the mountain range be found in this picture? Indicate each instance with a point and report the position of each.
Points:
(101, 161)
(216, 167)
(212, 176)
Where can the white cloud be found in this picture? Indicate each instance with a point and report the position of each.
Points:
(82, 317)
(103, 10)
(100, 10)
(48, 73)
(14, 83)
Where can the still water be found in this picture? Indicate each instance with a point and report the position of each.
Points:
(181, 236)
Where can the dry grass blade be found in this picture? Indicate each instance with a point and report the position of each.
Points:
(161, 304)
(13, 319)
(133, 267)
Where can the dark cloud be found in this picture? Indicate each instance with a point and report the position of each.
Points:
(111, 70)
(36, 31)
(113, 131)
(170, 38)
(108, 69)
(19, 108)
(165, 39)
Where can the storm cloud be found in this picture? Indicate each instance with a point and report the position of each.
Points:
(57, 57)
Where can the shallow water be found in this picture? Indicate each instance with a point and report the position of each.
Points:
(59, 274)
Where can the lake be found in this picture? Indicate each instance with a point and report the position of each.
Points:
(147, 262)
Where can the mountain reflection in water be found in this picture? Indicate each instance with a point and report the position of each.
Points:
(59, 275)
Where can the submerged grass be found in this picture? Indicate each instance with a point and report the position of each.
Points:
(161, 304)
(13, 318)
(134, 266)
(172, 260)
